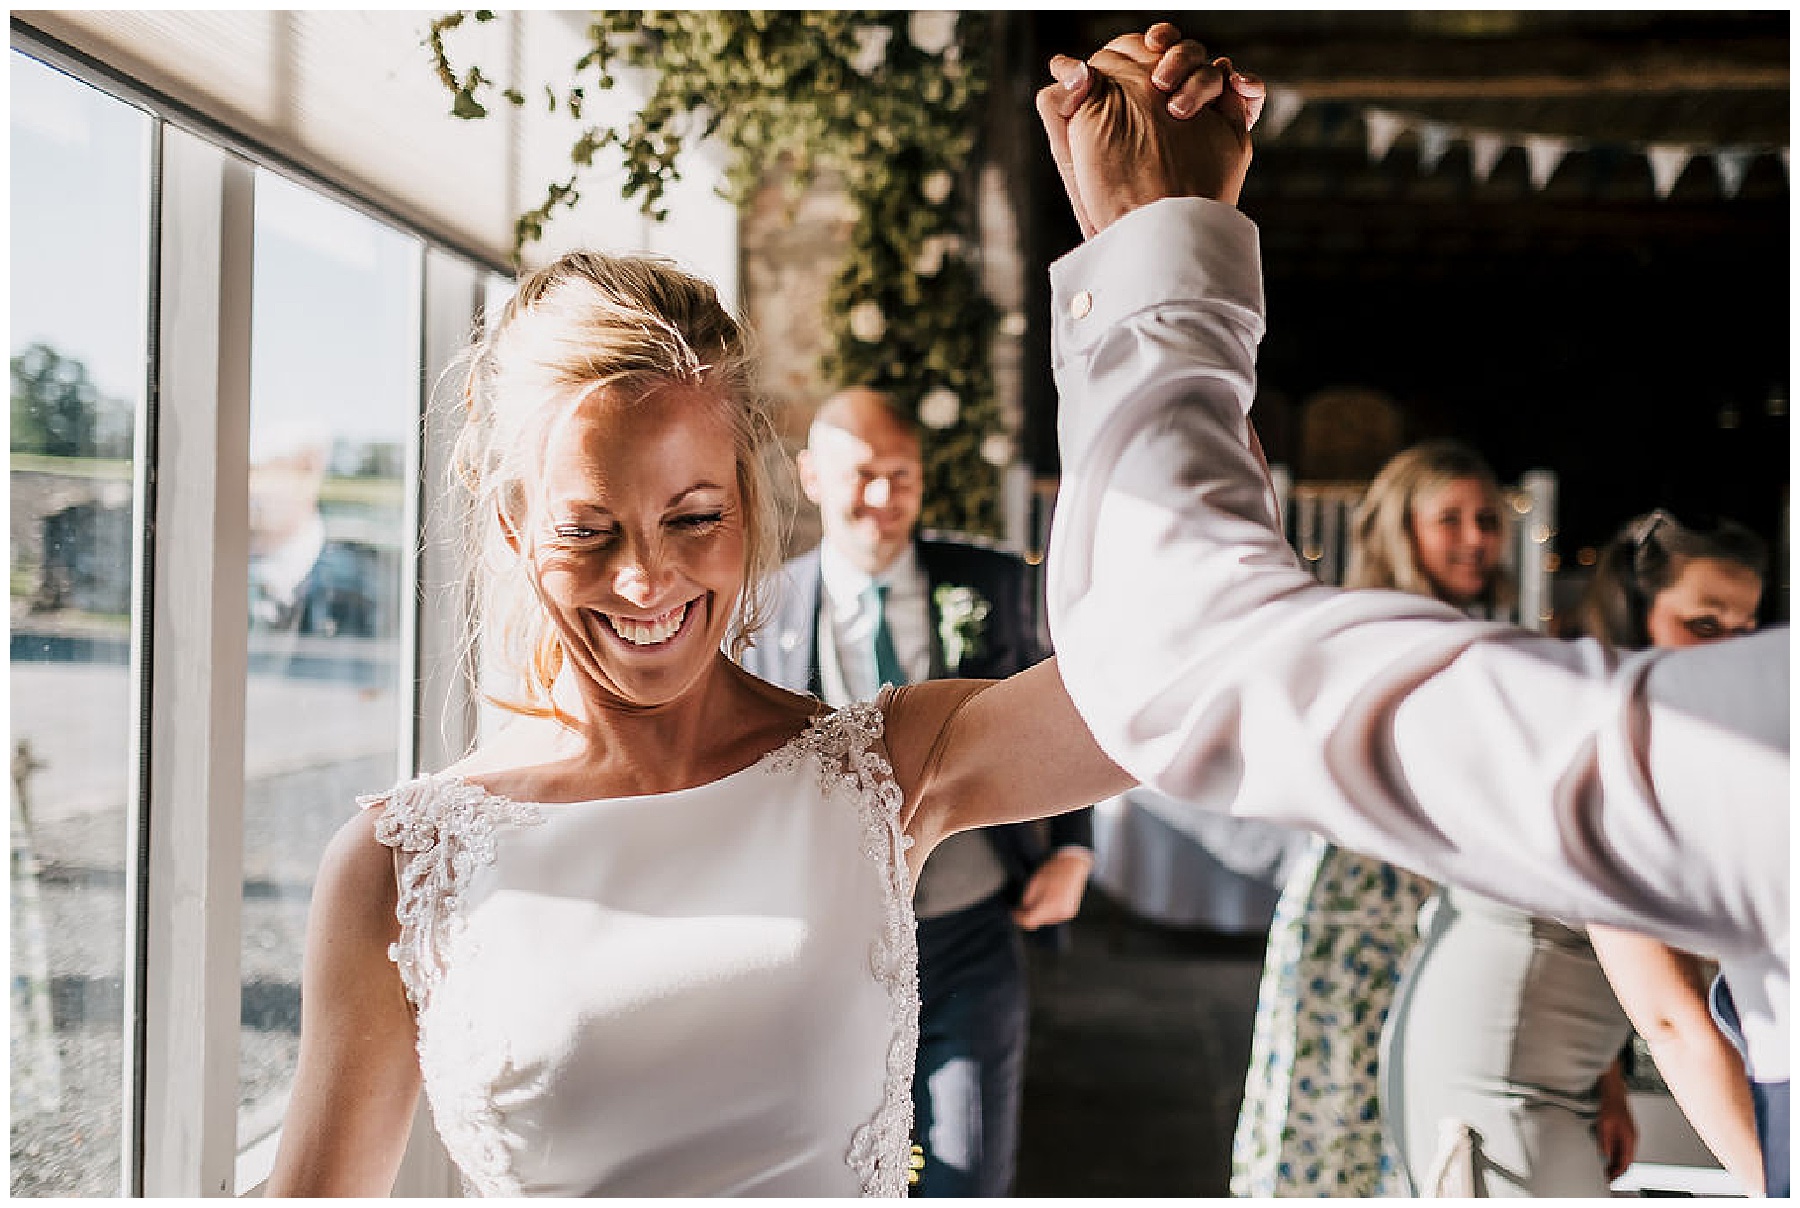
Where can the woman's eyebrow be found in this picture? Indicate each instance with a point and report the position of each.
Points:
(698, 486)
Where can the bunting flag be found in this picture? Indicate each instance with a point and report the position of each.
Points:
(1280, 108)
(1485, 150)
(1732, 164)
(1544, 153)
(1667, 162)
(1434, 144)
(1382, 128)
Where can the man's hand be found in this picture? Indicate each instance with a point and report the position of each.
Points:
(1615, 1130)
(1053, 895)
(1148, 117)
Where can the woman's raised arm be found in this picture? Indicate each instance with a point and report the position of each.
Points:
(358, 1077)
(971, 753)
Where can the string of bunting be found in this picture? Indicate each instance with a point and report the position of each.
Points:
(1544, 153)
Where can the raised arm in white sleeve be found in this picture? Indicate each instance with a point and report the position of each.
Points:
(1651, 794)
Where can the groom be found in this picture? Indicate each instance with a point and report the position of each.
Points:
(875, 604)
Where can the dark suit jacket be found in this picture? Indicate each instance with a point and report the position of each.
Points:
(786, 653)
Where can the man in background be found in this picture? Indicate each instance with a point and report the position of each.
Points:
(877, 604)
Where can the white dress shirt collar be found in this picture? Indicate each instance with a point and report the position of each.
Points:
(845, 583)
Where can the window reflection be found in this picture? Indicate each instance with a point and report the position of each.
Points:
(334, 403)
(80, 221)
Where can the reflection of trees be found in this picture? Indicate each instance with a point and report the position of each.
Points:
(57, 409)
(373, 459)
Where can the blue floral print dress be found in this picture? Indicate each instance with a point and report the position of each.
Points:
(1338, 945)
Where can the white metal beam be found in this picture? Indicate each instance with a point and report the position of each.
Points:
(198, 653)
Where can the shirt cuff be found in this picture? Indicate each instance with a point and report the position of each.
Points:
(1178, 249)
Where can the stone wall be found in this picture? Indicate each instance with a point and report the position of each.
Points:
(791, 244)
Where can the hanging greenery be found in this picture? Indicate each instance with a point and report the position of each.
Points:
(888, 103)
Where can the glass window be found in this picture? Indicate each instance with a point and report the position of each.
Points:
(80, 257)
(335, 395)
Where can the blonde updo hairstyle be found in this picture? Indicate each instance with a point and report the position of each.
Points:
(1382, 553)
(591, 321)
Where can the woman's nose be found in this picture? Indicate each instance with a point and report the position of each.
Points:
(877, 493)
(638, 579)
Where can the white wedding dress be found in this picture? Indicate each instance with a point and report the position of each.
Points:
(707, 992)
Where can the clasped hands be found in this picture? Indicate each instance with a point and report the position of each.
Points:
(1147, 117)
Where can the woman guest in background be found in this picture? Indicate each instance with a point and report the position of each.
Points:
(1502, 1071)
(655, 936)
(1310, 1123)
(1659, 583)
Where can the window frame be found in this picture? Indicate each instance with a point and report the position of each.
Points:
(184, 846)
(189, 646)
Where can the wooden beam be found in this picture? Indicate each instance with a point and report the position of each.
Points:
(1619, 81)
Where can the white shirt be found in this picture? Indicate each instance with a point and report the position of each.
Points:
(847, 615)
(1214, 668)
(963, 869)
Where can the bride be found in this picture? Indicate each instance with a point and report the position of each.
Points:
(655, 937)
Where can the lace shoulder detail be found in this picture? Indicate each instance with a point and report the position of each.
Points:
(441, 829)
(852, 757)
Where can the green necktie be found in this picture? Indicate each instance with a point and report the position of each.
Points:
(887, 663)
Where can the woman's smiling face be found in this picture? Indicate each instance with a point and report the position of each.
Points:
(635, 536)
(1456, 539)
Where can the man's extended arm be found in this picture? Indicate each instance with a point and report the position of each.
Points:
(1210, 665)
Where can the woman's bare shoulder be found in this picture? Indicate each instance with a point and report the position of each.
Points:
(357, 869)
(915, 717)
(767, 716)
(798, 706)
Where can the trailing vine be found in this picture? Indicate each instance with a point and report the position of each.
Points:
(889, 103)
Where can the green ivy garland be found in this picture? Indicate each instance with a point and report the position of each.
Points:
(888, 101)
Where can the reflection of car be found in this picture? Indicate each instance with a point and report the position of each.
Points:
(343, 594)
(86, 560)
(339, 622)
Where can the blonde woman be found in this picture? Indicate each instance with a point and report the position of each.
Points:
(1311, 1123)
(655, 937)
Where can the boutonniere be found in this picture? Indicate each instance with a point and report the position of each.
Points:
(962, 621)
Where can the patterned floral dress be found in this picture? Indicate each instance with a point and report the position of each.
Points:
(1311, 1120)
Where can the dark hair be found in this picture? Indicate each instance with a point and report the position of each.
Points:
(1644, 558)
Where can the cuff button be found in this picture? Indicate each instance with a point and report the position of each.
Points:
(1081, 304)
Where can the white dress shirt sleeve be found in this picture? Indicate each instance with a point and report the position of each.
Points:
(1214, 668)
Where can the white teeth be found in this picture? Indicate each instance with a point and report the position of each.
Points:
(651, 632)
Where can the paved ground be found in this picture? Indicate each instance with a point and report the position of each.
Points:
(1140, 1041)
(311, 746)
